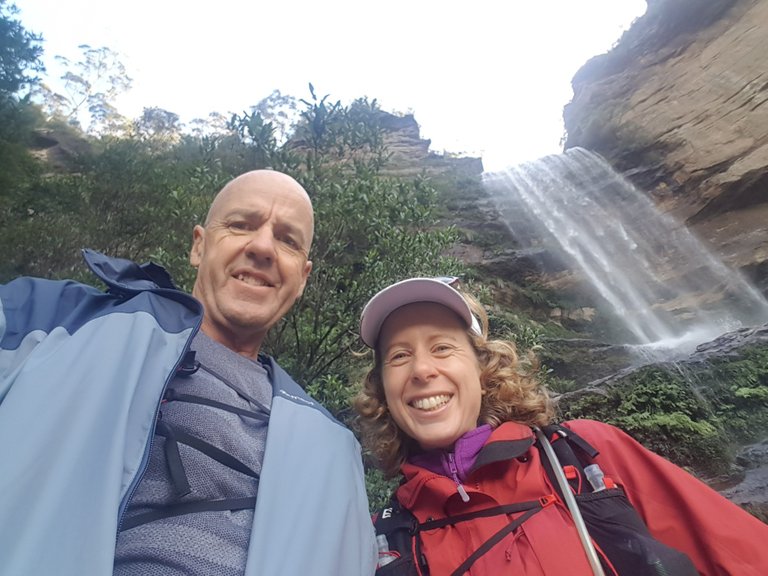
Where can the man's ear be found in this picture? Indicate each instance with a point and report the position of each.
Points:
(198, 246)
(306, 271)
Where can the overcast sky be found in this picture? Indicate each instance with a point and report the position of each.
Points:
(486, 77)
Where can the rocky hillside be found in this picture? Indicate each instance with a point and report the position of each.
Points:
(680, 106)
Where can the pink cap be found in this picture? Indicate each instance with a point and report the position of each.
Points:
(409, 291)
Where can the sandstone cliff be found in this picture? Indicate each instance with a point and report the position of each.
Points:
(679, 106)
(410, 154)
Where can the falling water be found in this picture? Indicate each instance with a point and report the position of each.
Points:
(670, 292)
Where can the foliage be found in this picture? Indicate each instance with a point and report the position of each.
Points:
(122, 197)
(525, 333)
(637, 404)
(158, 126)
(737, 390)
(333, 392)
(281, 111)
(370, 231)
(554, 383)
(379, 489)
(18, 119)
(20, 52)
(689, 415)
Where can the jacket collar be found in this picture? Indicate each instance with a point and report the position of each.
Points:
(125, 276)
(508, 441)
(459, 459)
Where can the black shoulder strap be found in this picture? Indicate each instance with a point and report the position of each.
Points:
(401, 528)
(572, 451)
(231, 504)
(557, 432)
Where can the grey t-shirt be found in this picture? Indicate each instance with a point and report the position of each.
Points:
(201, 543)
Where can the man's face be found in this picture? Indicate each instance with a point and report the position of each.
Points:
(252, 257)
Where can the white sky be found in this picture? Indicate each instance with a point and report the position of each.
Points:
(482, 77)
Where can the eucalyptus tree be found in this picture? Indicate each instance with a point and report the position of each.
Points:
(85, 94)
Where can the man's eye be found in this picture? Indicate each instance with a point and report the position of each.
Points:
(239, 225)
(290, 241)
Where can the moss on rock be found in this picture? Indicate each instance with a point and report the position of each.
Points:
(691, 414)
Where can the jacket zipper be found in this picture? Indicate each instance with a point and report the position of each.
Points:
(455, 475)
(148, 452)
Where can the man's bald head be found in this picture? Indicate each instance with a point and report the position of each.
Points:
(260, 182)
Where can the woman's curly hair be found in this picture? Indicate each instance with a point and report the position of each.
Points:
(511, 393)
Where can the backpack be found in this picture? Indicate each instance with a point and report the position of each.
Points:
(626, 547)
(174, 436)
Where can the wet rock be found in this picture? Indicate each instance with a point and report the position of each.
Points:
(751, 492)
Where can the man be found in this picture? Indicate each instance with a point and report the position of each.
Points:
(131, 441)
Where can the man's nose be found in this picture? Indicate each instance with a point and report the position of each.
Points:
(261, 244)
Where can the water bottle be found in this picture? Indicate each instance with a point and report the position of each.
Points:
(595, 476)
(385, 556)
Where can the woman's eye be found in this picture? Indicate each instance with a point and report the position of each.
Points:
(397, 357)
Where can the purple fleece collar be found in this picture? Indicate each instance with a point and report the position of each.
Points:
(465, 452)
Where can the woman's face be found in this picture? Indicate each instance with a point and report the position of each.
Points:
(431, 374)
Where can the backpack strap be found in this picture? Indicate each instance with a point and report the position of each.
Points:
(492, 541)
(173, 395)
(570, 501)
(573, 452)
(173, 437)
(625, 544)
(401, 528)
(231, 504)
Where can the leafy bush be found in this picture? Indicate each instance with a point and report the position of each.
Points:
(689, 414)
(379, 489)
(662, 411)
(371, 229)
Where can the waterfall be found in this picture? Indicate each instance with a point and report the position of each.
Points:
(667, 288)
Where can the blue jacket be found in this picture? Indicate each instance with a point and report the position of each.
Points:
(82, 373)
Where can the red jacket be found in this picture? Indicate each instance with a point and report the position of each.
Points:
(679, 510)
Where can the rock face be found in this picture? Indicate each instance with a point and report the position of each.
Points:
(410, 154)
(680, 106)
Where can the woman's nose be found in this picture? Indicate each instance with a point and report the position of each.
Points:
(424, 368)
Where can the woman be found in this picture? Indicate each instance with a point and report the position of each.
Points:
(458, 416)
